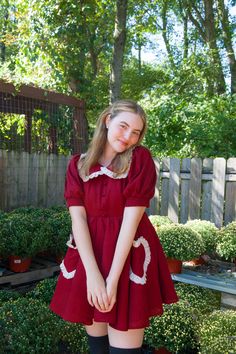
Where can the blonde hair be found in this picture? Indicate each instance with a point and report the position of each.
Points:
(121, 161)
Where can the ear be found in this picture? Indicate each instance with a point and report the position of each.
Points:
(107, 120)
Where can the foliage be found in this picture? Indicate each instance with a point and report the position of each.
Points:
(208, 232)
(74, 336)
(57, 230)
(217, 333)
(8, 295)
(44, 290)
(199, 125)
(20, 232)
(174, 330)
(226, 246)
(201, 300)
(159, 220)
(27, 326)
(3, 238)
(180, 242)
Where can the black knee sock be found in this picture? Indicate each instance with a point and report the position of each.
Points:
(114, 350)
(98, 345)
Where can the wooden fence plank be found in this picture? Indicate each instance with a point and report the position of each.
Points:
(218, 191)
(165, 187)
(207, 168)
(174, 184)
(195, 189)
(155, 201)
(230, 194)
(184, 201)
(33, 179)
(42, 180)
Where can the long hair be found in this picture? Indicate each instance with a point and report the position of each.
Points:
(97, 145)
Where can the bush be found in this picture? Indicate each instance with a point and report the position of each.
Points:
(217, 333)
(201, 300)
(28, 327)
(180, 242)
(44, 290)
(73, 335)
(20, 232)
(226, 246)
(158, 220)
(174, 330)
(8, 295)
(208, 232)
(58, 229)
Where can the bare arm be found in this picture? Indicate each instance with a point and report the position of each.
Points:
(96, 290)
(131, 219)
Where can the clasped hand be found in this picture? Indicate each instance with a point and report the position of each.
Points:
(101, 294)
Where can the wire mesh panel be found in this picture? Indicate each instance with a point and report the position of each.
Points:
(34, 124)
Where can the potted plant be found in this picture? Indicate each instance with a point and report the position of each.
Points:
(159, 220)
(44, 290)
(226, 246)
(202, 301)
(180, 243)
(209, 235)
(20, 233)
(217, 333)
(28, 326)
(3, 240)
(58, 227)
(174, 330)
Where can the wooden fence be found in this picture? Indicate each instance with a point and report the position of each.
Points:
(31, 179)
(196, 189)
(186, 189)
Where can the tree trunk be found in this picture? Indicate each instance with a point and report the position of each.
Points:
(165, 36)
(118, 49)
(227, 38)
(211, 41)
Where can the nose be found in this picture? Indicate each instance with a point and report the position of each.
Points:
(127, 135)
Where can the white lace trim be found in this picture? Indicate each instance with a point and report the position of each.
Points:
(66, 274)
(105, 171)
(134, 277)
(69, 243)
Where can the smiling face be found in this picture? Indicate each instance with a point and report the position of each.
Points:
(123, 132)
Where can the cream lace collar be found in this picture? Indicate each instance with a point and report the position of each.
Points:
(100, 170)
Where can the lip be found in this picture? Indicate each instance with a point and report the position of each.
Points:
(124, 143)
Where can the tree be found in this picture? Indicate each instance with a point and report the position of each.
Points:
(118, 49)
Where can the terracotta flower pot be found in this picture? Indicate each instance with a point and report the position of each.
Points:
(18, 264)
(196, 261)
(174, 265)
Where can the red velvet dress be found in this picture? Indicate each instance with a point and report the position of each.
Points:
(145, 282)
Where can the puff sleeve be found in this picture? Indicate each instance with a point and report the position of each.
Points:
(74, 191)
(141, 179)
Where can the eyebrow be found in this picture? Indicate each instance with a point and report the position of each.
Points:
(123, 122)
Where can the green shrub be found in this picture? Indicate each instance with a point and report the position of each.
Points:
(58, 228)
(73, 335)
(28, 327)
(8, 295)
(20, 232)
(217, 333)
(208, 232)
(226, 246)
(44, 290)
(174, 330)
(158, 220)
(201, 300)
(180, 242)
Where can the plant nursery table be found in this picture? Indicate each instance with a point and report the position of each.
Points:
(223, 281)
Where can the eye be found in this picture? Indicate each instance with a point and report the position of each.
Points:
(122, 126)
(136, 133)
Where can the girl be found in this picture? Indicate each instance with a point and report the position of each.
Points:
(114, 276)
